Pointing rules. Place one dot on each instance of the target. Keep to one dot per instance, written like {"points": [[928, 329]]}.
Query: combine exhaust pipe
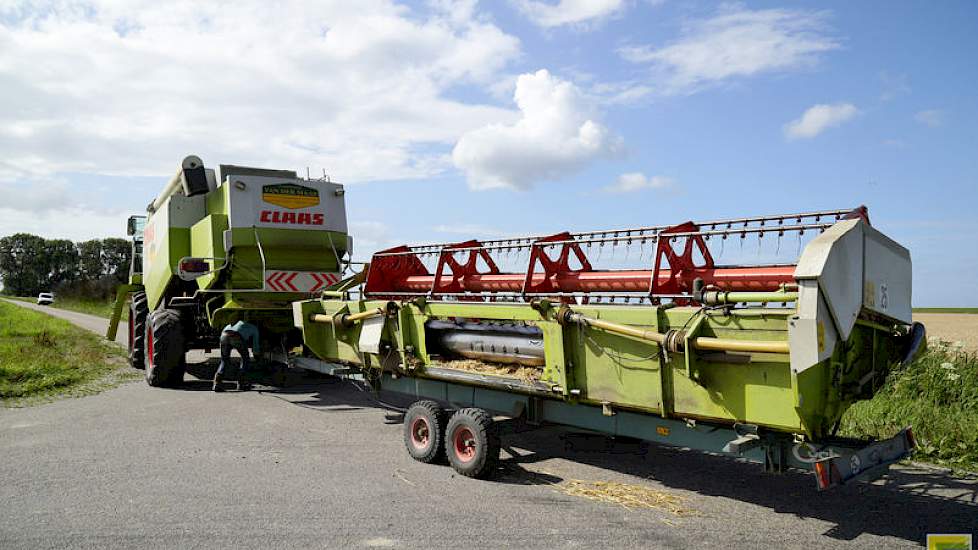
{"points": [[191, 178]]}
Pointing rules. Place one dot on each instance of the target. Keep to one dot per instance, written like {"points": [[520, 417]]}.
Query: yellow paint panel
{"points": [[949, 542], [290, 201]]}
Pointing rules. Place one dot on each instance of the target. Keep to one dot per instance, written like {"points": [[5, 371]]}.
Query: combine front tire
{"points": [[137, 330], [424, 431], [164, 354], [472, 443]]}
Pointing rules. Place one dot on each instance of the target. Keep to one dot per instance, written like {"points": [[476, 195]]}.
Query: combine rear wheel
{"points": [[472, 443], [424, 431], [137, 330], [164, 354]]}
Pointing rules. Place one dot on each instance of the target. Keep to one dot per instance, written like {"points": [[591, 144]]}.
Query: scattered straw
{"points": [[526, 374], [626, 495], [399, 474]]}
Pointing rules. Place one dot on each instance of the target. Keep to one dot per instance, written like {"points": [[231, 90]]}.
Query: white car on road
{"points": [[45, 299]]}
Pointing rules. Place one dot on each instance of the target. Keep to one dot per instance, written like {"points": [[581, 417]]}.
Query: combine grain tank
{"points": [[757, 360]]}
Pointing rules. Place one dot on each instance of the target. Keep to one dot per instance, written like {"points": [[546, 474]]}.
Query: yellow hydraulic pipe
{"points": [[320, 318], [626, 330], [726, 344], [357, 317], [347, 319], [673, 340]]}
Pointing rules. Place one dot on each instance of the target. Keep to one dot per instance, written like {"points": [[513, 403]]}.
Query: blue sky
{"points": [[453, 120]]}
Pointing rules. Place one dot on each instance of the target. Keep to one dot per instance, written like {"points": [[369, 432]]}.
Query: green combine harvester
{"points": [[756, 361], [215, 250]]}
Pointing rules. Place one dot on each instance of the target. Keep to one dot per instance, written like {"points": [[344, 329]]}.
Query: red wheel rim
{"points": [[420, 433], [149, 347], [463, 440]]}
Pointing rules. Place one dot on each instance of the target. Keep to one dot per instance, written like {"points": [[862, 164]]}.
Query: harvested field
{"points": [[958, 329]]}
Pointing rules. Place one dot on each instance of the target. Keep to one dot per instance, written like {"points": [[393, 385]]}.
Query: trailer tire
{"points": [[137, 330], [424, 431], [164, 354], [472, 443]]}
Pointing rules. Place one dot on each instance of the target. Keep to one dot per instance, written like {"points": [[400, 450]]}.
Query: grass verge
{"points": [[938, 395], [42, 357], [98, 308]]}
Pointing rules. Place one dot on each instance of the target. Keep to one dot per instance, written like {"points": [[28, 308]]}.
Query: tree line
{"points": [[30, 264]]}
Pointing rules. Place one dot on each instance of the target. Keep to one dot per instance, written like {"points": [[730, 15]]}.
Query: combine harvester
{"points": [[755, 361], [212, 251]]}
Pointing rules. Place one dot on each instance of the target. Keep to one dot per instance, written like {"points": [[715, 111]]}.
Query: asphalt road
{"points": [[313, 464]]}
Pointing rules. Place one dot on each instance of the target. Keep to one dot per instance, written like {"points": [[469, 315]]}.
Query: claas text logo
{"points": [[293, 197]]}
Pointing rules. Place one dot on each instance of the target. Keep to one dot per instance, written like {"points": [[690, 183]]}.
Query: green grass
{"points": [[42, 356], [945, 310], [92, 307], [938, 395]]}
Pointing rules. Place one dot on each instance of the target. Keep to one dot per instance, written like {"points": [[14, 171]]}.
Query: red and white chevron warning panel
{"points": [[299, 281]]}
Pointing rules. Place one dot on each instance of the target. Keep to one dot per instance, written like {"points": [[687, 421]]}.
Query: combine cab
{"points": [[242, 243]]}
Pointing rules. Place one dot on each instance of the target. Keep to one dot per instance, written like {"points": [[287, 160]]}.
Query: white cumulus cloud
{"points": [[359, 88], [737, 42], [819, 118], [568, 12], [74, 222], [554, 136], [637, 181]]}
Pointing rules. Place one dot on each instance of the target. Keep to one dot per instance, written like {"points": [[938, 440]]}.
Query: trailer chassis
{"points": [[834, 461]]}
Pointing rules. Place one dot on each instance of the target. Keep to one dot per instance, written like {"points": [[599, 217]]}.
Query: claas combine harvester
{"points": [[756, 361], [214, 250]]}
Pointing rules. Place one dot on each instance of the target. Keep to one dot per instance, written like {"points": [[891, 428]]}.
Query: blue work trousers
{"points": [[231, 340]]}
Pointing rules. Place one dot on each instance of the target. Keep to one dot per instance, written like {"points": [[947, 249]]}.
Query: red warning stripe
{"points": [[299, 281], [288, 282], [320, 282], [270, 280]]}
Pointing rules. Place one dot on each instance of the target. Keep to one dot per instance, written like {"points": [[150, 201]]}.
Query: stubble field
{"points": [[957, 329]]}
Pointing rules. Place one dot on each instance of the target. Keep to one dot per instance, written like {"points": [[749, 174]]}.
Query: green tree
{"points": [[116, 257], [23, 264], [61, 262], [30, 264], [90, 263]]}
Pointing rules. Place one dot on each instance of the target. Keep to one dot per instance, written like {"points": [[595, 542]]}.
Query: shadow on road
{"points": [[908, 504], [275, 377], [298, 387]]}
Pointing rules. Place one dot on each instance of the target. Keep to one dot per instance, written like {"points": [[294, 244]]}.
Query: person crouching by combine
{"points": [[238, 336]]}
